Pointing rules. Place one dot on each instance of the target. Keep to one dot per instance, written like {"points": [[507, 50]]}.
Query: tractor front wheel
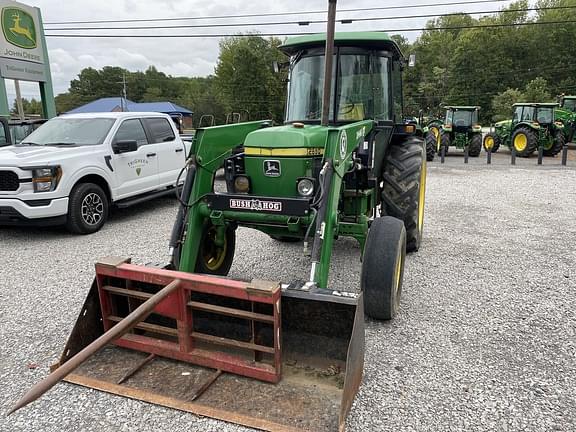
{"points": [[383, 267], [491, 142], [404, 188], [557, 144], [431, 143], [215, 257], [475, 146], [524, 141]]}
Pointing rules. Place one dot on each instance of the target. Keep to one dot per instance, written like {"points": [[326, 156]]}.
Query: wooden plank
{"points": [[232, 343], [237, 313]]}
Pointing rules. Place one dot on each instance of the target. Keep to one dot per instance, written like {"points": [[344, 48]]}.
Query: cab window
{"points": [[131, 130], [161, 129]]}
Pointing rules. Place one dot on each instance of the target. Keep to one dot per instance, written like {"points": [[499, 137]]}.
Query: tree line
{"points": [[457, 63]]}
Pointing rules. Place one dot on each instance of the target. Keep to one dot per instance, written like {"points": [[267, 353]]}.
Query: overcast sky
{"points": [[197, 57]]}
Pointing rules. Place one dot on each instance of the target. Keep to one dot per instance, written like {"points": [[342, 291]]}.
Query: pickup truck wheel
{"points": [[87, 209]]}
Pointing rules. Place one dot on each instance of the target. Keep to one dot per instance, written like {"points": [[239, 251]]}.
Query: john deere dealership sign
{"points": [[21, 42]]}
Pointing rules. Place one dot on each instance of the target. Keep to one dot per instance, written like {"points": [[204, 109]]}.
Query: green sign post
{"points": [[23, 53]]}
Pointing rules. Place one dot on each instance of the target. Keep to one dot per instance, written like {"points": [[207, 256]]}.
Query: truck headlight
{"points": [[45, 179], [305, 187]]}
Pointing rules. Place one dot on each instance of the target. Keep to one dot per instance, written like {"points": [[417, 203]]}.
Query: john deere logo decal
{"points": [[18, 27]]}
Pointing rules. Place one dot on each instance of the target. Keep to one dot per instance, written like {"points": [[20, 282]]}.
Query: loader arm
{"points": [[210, 147]]}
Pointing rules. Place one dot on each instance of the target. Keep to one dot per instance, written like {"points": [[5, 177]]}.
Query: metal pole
{"points": [[540, 154], [466, 154], [489, 157], [19, 100], [329, 53], [442, 154], [123, 327], [564, 154], [513, 158]]}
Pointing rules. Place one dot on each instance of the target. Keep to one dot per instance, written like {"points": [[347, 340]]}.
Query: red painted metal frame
{"points": [[176, 306]]}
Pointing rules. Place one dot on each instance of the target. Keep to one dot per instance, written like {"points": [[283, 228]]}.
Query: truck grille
{"points": [[9, 181]]}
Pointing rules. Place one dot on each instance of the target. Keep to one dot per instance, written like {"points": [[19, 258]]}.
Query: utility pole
{"points": [[123, 103], [19, 100]]}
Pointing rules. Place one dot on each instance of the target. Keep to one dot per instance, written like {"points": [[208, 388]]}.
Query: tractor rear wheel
{"points": [[213, 258], [557, 144], [475, 146], [383, 267], [491, 142], [404, 187], [524, 141], [431, 143], [444, 142]]}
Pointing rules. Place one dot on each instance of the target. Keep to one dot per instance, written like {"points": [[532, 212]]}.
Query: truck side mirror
{"points": [[125, 146]]}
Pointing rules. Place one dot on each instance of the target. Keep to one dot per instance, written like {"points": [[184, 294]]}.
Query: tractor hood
{"points": [[503, 123], [288, 137]]}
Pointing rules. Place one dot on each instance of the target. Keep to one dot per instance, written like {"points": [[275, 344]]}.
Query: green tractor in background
{"points": [[432, 134], [566, 114], [460, 129], [533, 126]]}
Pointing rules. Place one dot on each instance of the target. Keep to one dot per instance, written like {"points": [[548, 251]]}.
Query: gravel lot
{"points": [[485, 340]]}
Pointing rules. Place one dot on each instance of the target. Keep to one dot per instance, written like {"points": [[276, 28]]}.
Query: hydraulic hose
{"points": [[180, 223], [321, 216]]}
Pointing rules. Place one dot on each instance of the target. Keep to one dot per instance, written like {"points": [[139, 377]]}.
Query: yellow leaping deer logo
{"points": [[17, 29]]}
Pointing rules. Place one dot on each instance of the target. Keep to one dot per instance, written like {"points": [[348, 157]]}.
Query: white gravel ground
{"points": [[485, 339]]}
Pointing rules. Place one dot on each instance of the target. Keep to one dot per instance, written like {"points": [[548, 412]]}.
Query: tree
{"points": [[30, 107], [502, 103], [537, 90], [245, 78]]}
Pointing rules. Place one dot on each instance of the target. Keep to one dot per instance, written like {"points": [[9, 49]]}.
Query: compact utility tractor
{"points": [[275, 355], [460, 129], [533, 126]]}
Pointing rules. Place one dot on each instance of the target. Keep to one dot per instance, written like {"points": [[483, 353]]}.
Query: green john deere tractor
{"points": [[461, 130], [344, 164], [432, 134], [532, 126], [566, 114]]}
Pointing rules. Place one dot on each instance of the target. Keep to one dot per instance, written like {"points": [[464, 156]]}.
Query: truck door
{"points": [[171, 151], [135, 171]]}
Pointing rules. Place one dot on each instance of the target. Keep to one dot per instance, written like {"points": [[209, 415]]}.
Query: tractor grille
{"points": [[9, 181]]}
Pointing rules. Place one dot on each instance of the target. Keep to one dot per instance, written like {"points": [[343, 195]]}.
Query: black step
{"points": [[127, 202]]}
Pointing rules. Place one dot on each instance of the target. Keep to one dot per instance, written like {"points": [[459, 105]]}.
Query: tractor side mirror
{"points": [[125, 146], [278, 66], [412, 60]]}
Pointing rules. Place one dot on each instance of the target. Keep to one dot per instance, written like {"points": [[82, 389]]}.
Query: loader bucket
{"points": [[251, 353]]}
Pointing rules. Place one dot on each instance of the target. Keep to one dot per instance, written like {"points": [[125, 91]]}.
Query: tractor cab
{"points": [[538, 114], [461, 118], [366, 79], [568, 103]]}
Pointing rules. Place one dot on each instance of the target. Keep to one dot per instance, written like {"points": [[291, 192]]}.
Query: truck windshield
{"points": [[71, 131], [362, 88]]}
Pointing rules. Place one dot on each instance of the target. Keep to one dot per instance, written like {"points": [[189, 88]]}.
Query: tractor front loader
{"points": [[274, 355]]}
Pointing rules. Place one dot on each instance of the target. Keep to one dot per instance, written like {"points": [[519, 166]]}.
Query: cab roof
{"points": [[379, 40], [462, 107], [537, 104]]}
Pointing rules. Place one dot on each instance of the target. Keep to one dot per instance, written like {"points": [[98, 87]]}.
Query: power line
{"points": [[276, 14], [302, 23], [222, 35]]}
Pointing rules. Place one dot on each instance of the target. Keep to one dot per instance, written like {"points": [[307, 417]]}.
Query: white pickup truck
{"points": [[74, 167]]}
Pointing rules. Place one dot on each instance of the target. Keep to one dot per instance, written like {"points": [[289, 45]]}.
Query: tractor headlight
{"points": [[45, 179], [305, 187], [241, 184]]}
